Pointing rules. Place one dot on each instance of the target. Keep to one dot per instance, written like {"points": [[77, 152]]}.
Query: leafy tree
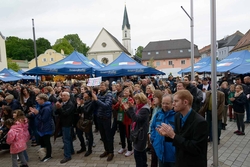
{"points": [[151, 63], [42, 45], [76, 43], [139, 51], [63, 44], [12, 65], [23, 49]]}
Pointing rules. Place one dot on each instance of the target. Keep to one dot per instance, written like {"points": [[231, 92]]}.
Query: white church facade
{"points": [[106, 48]]}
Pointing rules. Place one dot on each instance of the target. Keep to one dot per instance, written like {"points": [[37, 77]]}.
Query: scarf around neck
{"points": [[138, 107], [237, 94]]}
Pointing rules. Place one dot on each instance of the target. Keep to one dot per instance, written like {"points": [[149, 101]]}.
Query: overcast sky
{"points": [[150, 20]]}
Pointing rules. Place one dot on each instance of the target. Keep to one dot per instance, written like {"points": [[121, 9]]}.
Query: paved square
{"points": [[233, 151]]}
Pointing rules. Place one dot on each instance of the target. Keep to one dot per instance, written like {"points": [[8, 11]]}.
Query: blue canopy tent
{"points": [[20, 75], [96, 62], [20, 71], [126, 66], [6, 76], [74, 64], [230, 62], [200, 64], [244, 68]]}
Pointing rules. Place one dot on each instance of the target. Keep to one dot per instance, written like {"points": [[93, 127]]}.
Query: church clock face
{"points": [[105, 60], [104, 44]]}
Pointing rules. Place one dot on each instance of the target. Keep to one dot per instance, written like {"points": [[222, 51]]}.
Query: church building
{"points": [[106, 48]]}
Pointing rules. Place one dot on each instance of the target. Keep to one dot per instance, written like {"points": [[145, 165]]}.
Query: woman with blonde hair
{"points": [[139, 126], [150, 91]]}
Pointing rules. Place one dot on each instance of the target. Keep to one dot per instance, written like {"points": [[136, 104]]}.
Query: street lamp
{"points": [[192, 37]]}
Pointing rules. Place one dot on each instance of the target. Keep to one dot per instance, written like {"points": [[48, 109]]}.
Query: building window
{"points": [[181, 51], [44, 59], [170, 63], [149, 53], [147, 63], [183, 62], [157, 53], [158, 63], [125, 34], [189, 50], [169, 51], [51, 59]]}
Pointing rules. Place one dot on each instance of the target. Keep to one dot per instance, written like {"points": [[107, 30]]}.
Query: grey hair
{"points": [[66, 93], [169, 95]]}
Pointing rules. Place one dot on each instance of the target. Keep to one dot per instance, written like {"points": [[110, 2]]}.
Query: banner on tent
{"points": [[94, 81]]}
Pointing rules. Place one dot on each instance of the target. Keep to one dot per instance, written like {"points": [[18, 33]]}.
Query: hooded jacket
{"points": [[44, 120], [17, 137], [165, 151]]}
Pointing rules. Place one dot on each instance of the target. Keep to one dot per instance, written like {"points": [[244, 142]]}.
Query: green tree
{"points": [[77, 43], [151, 62], [23, 49], [12, 65], [63, 44], [42, 45], [139, 51]]}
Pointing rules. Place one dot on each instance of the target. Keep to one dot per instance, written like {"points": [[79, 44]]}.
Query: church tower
{"points": [[126, 37]]}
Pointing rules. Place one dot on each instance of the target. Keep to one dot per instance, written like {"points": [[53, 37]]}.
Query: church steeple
{"points": [[125, 19], [126, 38]]}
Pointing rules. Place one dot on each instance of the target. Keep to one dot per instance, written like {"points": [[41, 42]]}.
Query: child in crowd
{"points": [[17, 137]]}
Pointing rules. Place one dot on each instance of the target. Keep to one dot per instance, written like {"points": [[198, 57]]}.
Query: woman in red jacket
{"points": [[125, 122]]}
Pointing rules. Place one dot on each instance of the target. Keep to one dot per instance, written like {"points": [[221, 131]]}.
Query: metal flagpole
{"points": [[192, 36], [214, 84], [34, 38]]}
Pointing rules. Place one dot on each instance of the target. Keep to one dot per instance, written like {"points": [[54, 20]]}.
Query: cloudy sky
{"points": [[150, 20]]}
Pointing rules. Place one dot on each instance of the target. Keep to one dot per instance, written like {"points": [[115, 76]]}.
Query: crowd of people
{"points": [[171, 120]]}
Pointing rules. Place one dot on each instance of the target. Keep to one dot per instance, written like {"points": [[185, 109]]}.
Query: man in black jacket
{"points": [[65, 110], [190, 134]]}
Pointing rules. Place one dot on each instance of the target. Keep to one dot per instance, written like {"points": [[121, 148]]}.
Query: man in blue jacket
{"points": [[190, 134], [165, 151], [103, 103]]}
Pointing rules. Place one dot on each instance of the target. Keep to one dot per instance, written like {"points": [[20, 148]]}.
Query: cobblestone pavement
{"points": [[233, 151]]}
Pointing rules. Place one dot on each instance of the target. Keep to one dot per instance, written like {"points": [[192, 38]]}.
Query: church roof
{"points": [[2, 35], [125, 19], [118, 43]]}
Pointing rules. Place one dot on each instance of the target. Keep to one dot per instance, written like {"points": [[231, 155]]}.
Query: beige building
{"points": [[50, 56], [3, 57]]}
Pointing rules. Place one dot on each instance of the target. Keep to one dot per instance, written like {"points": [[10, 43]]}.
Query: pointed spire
{"points": [[125, 19]]}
